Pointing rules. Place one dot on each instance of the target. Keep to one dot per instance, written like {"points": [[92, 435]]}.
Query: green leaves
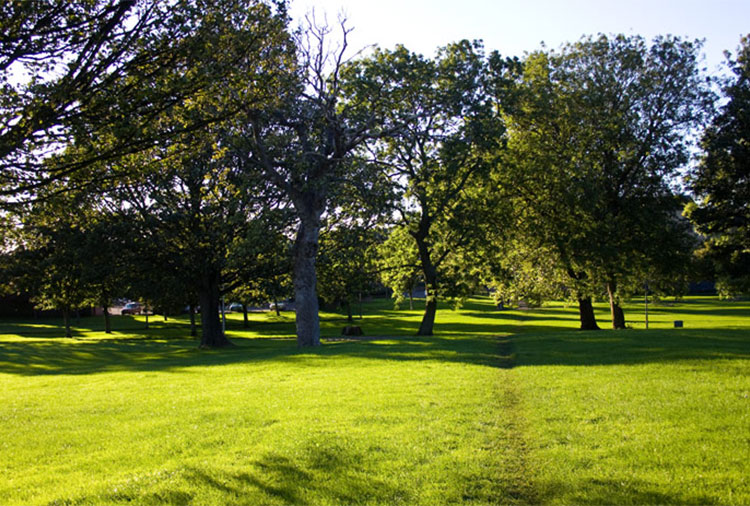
{"points": [[721, 181], [596, 134]]}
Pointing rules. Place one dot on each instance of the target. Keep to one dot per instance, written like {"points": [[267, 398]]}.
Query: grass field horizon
{"points": [[513, 406]]}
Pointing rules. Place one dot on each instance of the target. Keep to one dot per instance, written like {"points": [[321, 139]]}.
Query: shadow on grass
{"points": [[608, 491], [324, 470], [544, 336], [631, 346]]}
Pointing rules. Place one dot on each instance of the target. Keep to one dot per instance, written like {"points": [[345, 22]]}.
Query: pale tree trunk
{"points": [[211, 333], [305, 280], [586, 313], [618, 316]]}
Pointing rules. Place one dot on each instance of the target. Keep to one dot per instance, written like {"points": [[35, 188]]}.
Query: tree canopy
{"points": [[177, 151], [721, 182]]}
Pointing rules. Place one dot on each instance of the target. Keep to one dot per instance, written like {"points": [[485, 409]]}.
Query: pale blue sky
{"points": [[513, 27]]}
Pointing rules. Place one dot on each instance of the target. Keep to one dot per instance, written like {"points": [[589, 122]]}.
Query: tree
{"points": [[444, 130], [194, 198], [49, 256], [346, 263], [305, 149], [106, 266], [721, 182], [600, 129], [105, 71], [267, 267], [398, 264], [200, 216]]}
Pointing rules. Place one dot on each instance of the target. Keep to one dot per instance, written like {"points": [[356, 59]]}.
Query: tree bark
{"points": [[245, 323], [349, 316], [430, 281], [211, 334], [305, 281], [107, 321], [586, 312], [618, 316]]}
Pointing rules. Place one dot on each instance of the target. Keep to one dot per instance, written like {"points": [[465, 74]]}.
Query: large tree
{"points": [[444, 130], [600, 130], [195, 199], [721, 181], [305, 148]]}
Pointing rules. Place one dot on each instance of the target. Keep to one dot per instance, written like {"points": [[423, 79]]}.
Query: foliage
{"points": [[444, 131], [105, 72], [66, 253], [721, 181], [346, 263], [305, 148], [266, 261], [191, 196], [398, 264], [597, 133]]}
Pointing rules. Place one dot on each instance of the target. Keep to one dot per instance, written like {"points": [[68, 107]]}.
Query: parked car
{"points": [[234, 306], [131, 308]]}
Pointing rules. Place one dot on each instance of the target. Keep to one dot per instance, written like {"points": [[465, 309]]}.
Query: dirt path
{"points": [[517, 467]]}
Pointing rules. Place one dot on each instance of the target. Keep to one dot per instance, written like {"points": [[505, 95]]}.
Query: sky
{"points": [[513, 27]]}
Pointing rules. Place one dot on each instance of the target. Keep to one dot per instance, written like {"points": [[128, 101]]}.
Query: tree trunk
{"points": [[193, 330], [66, 321], [305, 281], [618, 316], [245, 323], [276, 306], [411, 298], [211, 334], [349, 316], [107, 322], [586, 312], [430, 283]]}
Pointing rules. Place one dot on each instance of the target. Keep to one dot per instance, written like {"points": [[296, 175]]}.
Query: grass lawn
{"points": [[497, 407]]}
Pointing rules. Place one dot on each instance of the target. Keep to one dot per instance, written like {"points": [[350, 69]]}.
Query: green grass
{"points": [[498, 407]]}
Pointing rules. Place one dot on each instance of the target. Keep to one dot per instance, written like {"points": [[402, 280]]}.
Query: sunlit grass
{"points": [[142, 416]]}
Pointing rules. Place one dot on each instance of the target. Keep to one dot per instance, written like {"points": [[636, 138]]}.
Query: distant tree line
{"points": [[177, 152]]}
